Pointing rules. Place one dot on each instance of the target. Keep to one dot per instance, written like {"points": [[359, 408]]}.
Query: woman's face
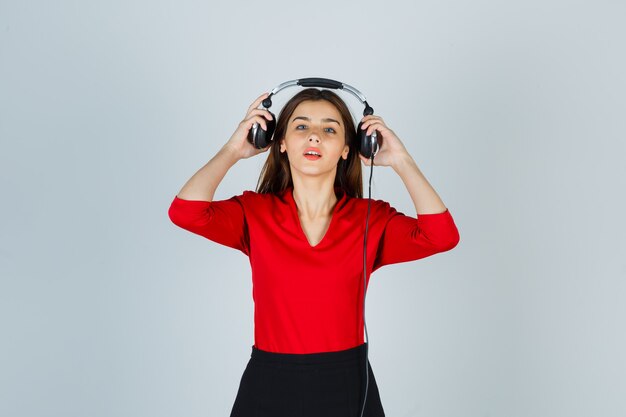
{"points": [[315, 124]]}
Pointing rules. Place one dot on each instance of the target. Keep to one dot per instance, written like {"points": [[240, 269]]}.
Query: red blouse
{"points": [[309, 299]]}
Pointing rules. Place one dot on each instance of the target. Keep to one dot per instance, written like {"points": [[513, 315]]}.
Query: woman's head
{"points": [[323, 121]]}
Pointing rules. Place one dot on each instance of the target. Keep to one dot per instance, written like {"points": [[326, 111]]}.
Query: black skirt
{"points": [[328, 384]]}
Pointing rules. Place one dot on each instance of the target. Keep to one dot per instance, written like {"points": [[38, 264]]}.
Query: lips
{"points": [[311, 149]]}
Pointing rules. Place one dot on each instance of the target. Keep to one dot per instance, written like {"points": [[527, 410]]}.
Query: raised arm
{"points": [[408, 238], [202, 185], [193, 207], [393, 153]]}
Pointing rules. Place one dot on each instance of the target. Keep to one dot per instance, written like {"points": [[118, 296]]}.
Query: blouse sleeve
{"points": [[221, 221], [407, 238]]}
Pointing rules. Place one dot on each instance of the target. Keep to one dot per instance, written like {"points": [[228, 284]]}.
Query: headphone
{"points": [[368, 144], [368, 147]]}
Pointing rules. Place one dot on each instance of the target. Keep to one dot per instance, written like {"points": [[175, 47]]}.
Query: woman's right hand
{"points": [[238, 142]]}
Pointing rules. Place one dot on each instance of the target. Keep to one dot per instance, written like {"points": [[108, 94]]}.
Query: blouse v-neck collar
{"points": [[341, 197]]}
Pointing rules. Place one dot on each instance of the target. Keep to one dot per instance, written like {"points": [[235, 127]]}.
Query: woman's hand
{"points": [[238, 142], [391, 149]]}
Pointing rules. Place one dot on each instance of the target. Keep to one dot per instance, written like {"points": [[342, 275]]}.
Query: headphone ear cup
{"points": [[367, 145], [260, 138]]}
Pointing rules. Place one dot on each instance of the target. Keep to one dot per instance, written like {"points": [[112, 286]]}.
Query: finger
{"points": [[370, 117], [367, 126], [257, 119], [370, 121], [264, 112], [375, 126], [258, 101]]}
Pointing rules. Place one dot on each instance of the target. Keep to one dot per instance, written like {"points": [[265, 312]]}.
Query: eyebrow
{"points": [[309, 119]]}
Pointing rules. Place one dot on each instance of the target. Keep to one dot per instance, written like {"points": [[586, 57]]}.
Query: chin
{"points": [[313, 171]]}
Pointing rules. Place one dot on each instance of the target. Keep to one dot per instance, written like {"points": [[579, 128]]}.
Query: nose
{"points": [[314, 136]]}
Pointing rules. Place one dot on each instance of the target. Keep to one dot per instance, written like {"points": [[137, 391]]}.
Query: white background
{"points": [[514, 111]]}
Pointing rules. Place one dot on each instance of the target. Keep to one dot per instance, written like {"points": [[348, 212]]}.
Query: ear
{"points": [[346, 151], [282, 146]]}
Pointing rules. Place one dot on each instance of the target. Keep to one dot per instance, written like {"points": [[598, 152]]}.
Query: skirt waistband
{"points": [[348, 355]]}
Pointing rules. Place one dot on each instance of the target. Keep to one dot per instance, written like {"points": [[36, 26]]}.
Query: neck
{"points": [[315, 200]]}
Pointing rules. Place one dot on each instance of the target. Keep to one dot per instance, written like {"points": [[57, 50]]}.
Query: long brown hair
{"points": [[275, 175]]}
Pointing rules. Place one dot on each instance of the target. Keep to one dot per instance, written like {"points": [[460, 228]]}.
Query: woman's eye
{"points": [[333, 130]]}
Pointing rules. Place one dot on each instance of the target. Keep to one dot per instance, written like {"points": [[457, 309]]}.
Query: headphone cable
{"points": [[369, 203]]}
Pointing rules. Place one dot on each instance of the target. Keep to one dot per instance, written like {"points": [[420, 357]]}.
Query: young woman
{"points": [[303, 233]]}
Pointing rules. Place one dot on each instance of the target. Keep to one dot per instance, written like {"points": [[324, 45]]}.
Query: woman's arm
{"points": [[406, 238], [425, 198], [393, 153], [193, 209], [202, 185], [221, 221]]}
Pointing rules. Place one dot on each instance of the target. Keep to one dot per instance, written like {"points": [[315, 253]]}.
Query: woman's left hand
{"points": [[391, 149]]}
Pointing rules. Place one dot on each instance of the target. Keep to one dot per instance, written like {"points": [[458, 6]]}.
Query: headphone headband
{"points": [[367, 144], [320, 82]]}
